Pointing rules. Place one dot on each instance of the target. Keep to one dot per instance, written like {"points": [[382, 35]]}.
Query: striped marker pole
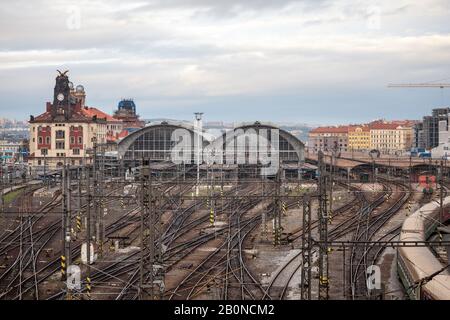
{"points": [[284, 207], [211, 216], [274, 232], [78, 224], [88, 287], [63, 268], [279, 230]]}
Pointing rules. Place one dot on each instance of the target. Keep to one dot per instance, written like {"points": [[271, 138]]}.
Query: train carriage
{"points": [[416, 263]]}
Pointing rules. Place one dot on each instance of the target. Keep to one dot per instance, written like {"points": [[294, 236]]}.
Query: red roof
{"points": [[47, 116], [77, 114], [364, 128], [391, 125], [377, 125], [340, 129], [384, 126], [91, 112]]}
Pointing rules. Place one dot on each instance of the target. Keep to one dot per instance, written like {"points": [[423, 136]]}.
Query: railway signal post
{"points": [[306, 251], [441, 192], [323, 229], [88, 235], [277, 214], [66, 224], [151, 281]]}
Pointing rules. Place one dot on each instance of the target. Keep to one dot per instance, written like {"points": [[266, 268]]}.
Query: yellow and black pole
{"points": [[63, 268], [284, 207], [79, 224], [274, 232], [88, 287], [211, 216]]}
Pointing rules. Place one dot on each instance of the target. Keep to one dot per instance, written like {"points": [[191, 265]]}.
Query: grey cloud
{"points": [[227, 8], [314, 51]]}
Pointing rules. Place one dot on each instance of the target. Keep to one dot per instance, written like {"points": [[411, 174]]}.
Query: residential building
{"points": [[10, 152], [359, 138], [388, 137], [391, 137], [328, 139]]}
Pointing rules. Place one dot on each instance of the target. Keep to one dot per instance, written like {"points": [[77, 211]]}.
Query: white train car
{"points": [[416, 263]]}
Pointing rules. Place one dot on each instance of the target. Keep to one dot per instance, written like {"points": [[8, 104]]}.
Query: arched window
{"points": [[40, 140], [47, 140], [80, 140]]}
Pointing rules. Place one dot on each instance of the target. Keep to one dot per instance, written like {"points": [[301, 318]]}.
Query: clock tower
{"points": [[61, 98]]}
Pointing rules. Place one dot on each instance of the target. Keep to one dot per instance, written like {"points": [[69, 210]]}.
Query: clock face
{"points": [[60, 97]]}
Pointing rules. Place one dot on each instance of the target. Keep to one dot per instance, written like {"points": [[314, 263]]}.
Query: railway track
{"points": [[43, 241], [367, 228], [292, 266], [224, 270], [212, 267]]}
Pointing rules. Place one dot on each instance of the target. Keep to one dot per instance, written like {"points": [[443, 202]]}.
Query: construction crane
{"points": [[431, 84], [419, 85]]}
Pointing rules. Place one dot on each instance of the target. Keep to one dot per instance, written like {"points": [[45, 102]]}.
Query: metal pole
{"points": [[333, 161], [410, 174], [441, 194], [344, 280], [323, 230], [306, 250], [96, 200], [198, 117], [88, 234], [65, 250], [80, 177], [2, 189], [101, 207]]}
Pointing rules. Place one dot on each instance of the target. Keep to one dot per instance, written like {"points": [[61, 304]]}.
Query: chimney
{"points": [[48, 107]]}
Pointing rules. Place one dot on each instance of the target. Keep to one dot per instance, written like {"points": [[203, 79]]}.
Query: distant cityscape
{"points": [[428, 137], [69, 128]]}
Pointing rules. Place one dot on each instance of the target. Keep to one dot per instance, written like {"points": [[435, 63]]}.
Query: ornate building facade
{"points": [[126, 113], [68, 129]]}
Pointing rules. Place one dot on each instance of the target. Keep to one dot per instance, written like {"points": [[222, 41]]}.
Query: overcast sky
{"points": [[314, 61]]}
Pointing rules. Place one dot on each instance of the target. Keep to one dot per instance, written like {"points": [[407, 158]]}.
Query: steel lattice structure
{"points": [[151, 284], [323, 230], [306, 251]]}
